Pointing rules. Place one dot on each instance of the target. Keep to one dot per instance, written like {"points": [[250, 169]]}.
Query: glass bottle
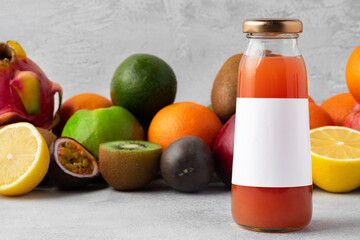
{"points": [[271, 181]]}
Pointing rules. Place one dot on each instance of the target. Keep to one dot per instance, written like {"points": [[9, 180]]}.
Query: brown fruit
{"points": [[47, 135], [224, 90], [129, 165]]}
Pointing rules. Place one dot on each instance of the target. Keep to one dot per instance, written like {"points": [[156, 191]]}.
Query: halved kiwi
{"points": [[71, 165], [129, 165]]}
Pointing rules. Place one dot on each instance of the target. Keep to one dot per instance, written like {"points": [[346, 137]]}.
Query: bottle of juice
{"points": [[271, 180]]}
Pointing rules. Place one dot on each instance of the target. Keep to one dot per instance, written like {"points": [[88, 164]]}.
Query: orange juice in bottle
{"points": [[271, 181]]}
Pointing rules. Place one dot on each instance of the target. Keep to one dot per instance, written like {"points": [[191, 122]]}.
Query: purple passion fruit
{"points": [[71, 165], [129, 165], [187, 164]]}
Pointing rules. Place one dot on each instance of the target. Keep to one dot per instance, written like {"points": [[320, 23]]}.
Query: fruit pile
{"points": [[141, 132], [335, 142], [92, 139]]}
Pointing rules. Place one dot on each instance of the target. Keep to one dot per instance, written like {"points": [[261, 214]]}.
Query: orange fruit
{"points": [[80, 101], [352, 73], [311, 100], [318, 116], [338, 107], [182, 119]]}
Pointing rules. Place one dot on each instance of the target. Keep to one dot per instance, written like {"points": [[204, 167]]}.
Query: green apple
{"points": [[91, 128]]}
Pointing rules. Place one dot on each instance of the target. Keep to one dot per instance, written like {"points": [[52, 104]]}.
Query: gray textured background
{"points": [[80, 43]]}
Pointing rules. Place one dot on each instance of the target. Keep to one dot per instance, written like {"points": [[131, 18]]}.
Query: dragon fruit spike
{"points": [[26, 84], [18, 49], [26, 94]]}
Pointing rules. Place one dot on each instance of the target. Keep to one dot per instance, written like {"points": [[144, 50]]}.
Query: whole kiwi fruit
{"points": [[224, 90], [47, 135]]}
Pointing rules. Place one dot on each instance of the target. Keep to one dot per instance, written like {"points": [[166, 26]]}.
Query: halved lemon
{"points": [[24, 158], [335, 156]]}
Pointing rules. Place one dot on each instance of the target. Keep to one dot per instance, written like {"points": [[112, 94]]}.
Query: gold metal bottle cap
{"points": [[272, 25]]}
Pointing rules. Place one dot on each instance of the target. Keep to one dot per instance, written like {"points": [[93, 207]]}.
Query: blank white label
{"points": [[272, 143]]}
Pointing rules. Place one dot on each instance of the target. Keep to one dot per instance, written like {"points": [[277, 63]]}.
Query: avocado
{"points": [[143, 84]]}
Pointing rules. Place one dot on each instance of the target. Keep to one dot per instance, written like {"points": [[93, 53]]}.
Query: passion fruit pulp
{"points": [[72, 165]]}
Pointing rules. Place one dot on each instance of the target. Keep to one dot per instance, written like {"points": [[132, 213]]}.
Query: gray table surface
{"points": [[158, 212]]}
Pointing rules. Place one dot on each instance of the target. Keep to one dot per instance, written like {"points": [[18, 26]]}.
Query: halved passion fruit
{"points": [[71, 165]]}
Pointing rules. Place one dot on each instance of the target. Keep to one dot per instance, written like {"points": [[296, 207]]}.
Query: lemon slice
{"points": [[24, 158], [335, 156]]}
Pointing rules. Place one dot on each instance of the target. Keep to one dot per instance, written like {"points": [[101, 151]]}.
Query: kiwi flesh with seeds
{"points": [[129, 165]]}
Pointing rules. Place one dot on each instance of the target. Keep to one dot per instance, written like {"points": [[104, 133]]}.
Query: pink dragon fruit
{"points": [[26, 94]]}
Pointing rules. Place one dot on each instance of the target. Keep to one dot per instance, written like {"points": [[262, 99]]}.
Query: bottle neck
{"points": [[272, 44]]}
